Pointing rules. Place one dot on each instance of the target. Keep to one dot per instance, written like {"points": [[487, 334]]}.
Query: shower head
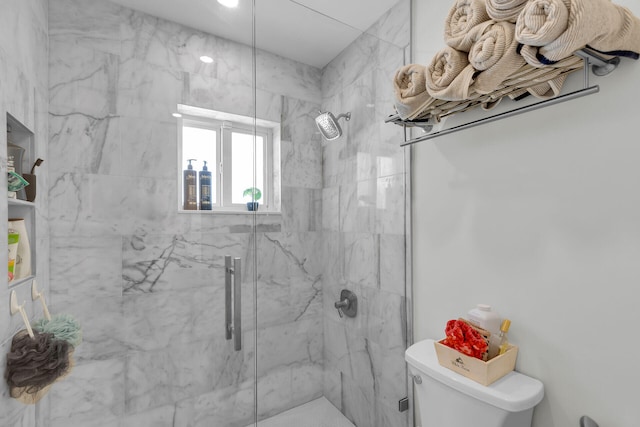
{"points": [[328, 125]]}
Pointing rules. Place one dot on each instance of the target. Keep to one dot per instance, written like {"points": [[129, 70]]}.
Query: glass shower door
{"points": [[144, 277], [341, 219]]}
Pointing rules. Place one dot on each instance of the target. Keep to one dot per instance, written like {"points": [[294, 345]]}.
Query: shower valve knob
{"points": [[344, 304], [348, 304]]}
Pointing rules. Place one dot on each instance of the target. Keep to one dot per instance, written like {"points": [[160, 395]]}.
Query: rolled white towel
{"points": [[599, 24], [449, 75], [410, 88], [505, 10], [463, 16], [542, 21], [495, 55]]}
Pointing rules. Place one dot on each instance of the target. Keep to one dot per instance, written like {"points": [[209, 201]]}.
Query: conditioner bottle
{"points": [[205, 188], [190, 194]]}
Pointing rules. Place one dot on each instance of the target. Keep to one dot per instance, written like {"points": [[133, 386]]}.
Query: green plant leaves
{"points": [[252, 192]]}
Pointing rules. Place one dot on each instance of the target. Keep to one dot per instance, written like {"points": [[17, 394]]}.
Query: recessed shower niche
{"points": [[21, 212]]}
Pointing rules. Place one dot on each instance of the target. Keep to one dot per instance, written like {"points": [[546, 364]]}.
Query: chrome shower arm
{"points": [[347, 116]]}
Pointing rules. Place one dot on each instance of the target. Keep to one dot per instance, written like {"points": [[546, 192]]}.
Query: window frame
{"points": [[225, 124], [227, 129]]}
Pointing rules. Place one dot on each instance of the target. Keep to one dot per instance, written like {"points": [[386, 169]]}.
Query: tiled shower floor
{"points": [[317, 413]]}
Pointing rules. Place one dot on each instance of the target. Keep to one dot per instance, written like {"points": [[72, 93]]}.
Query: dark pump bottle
{"points": [[190, 195], [205, 188]]}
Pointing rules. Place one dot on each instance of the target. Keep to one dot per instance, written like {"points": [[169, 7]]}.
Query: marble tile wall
{"points": [[23, 94], [363, 211], [147, 282]]}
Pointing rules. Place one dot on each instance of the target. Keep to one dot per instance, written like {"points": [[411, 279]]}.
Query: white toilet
{"points": [[448, 399]]}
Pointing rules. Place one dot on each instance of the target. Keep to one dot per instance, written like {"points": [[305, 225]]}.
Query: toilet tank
{"points": [[448, 399]]}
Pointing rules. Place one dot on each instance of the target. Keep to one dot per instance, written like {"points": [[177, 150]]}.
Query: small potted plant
{"points": [[255, 194]]}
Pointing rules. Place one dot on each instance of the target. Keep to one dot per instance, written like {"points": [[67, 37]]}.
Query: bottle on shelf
{"points": [[190, 190], [205, 188], [11, 169]]}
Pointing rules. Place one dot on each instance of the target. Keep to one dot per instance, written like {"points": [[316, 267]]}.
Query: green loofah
{"points": [[63, 327]]}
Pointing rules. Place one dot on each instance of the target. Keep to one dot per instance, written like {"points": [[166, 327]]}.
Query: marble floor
{"points": [[317, 413]]}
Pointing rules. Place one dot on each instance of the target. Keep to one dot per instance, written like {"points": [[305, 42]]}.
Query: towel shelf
{"points": [[600, 66], [562, 98]]}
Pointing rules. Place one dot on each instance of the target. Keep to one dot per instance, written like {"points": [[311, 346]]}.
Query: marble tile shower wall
{"points": [[363, 211], [147, 282], [23, 94]]}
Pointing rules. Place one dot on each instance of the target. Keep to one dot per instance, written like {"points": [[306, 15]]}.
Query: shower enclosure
{"points": [[147, 280]]}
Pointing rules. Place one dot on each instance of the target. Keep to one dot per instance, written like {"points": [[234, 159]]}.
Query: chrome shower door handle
{"points": [[237, 303], [233, 316], [228, 326]]}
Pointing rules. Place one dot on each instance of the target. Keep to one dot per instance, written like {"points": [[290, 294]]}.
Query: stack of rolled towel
{"points": [[492, 43], [551, 30]]}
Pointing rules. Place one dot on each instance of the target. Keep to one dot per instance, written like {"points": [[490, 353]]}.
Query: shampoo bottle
{"points": [[190, 195], [205, 188]]}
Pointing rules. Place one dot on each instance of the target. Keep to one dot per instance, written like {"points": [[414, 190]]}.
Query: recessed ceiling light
{"points": [[206, 59], [229, 3], [177, 115]]}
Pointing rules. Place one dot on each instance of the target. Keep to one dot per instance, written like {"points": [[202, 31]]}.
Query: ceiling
{"points": [[308, 31]]}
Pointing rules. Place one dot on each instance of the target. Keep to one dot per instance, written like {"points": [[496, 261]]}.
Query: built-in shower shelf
{"points": [[20, 212], [430, 122]]}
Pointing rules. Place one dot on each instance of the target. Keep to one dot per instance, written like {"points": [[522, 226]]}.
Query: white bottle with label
{"points": [[485, 317]]}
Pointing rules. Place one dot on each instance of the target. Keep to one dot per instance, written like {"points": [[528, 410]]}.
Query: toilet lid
{"points": [[514, 392]]}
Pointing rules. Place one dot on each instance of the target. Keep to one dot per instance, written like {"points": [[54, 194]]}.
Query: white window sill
{"points": [[230, 212]]}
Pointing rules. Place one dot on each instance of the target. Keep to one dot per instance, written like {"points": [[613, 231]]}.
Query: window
{"points": [[232, 146]]}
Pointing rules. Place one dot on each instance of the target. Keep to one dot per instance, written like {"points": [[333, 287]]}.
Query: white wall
{"points": [[539, 216]]}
